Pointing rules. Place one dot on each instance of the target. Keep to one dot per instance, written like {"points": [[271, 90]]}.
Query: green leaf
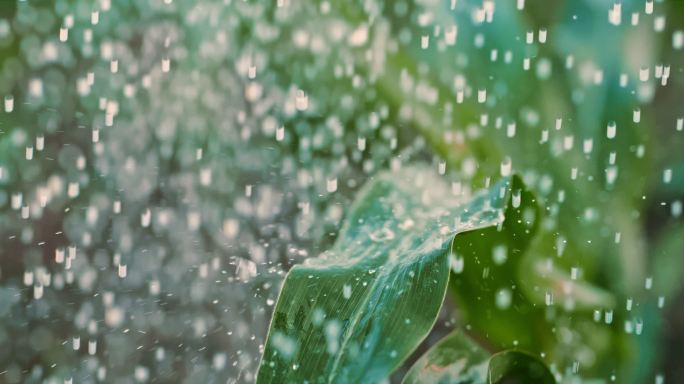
{"points": [[454, 359], [458, 359], [514, 293], [487, 289], [357, 311], [518, 367]]}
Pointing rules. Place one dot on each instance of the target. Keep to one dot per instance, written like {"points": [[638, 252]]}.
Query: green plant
{"points": [[355, 313]]}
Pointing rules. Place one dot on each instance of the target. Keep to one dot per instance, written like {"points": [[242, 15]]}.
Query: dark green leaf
{"points": [[513, 367]]}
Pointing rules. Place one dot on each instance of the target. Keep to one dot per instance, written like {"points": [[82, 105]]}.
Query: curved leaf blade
{"points": [[357, 311]]}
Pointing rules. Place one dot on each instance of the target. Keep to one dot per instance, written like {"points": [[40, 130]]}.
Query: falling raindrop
{"points": [[503, 298], [123, 270], [611, 130], [331, 185], [9, 103], [457, 263], [608, 316], [346, 291]]}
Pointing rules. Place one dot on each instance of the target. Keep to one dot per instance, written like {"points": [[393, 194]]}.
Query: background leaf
{"points": [[458, 359]]}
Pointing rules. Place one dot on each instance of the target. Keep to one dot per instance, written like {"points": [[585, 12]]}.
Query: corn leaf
{"points": [[356, 312]]}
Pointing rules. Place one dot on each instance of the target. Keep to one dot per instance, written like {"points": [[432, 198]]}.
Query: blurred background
{"points": [[163, 163]]}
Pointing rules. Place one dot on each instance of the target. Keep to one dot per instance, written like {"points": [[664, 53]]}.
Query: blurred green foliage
{"points": [[188, 143]]}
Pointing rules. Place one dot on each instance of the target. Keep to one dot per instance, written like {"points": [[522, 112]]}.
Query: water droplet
{"points": [[500, 254], [301, 101], [38, 291], [424, 41], [122, 270], [9, 103], [63, 34], [346, 291], [331, 185], [503, 298], [574, 272], [154, 287], [615, 14], [73, 190], [359, 36], [639, 326], [450, 35], [456, 262], [506, 166], [542, 36], [516, 198], [548, 299], [166, 65], [146, 218], [481, 95], [608, 316], [361, 143], [510, 130], [676, 208], [678, 40], [611, 130]]}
